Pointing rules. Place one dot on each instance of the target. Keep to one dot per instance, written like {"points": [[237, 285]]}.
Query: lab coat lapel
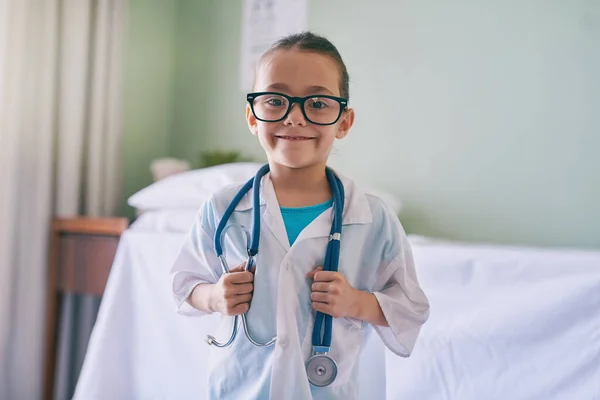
{"points": [[272, 214], [356, 211], [319, 227]]}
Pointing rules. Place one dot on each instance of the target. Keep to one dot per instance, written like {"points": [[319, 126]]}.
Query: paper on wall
{"points": [[264, 22]]}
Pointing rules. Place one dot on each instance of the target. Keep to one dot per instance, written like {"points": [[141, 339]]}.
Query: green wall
{"points": [[210, 107], [483, 119], [149, 76]]}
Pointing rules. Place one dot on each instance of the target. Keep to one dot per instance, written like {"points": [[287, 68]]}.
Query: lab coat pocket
{"points": [[347, 337], [345, 347], [357, 324]]}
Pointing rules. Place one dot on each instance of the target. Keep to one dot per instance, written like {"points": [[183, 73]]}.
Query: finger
{"points": [[239, 268], [312, 273], [241, 277], [324, 308], [326, 276], [241, 299], [242, 288], [319, 297], [235, 289], [239, 309], [320, 287]]}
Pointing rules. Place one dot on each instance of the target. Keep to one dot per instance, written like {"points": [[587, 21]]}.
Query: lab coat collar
{"points": [[356, 210], [356, 204]]}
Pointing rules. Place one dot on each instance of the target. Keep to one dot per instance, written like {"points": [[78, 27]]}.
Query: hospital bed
{"points": [[508, 323]]}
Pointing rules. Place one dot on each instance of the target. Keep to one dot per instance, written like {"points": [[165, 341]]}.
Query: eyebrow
{"points": [[310, 90], [316, 89]]}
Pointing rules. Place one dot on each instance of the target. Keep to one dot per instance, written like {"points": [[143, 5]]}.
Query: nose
{"points": [[295, 116]]}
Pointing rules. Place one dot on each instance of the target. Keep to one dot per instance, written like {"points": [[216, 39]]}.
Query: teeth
{"points": [[294, 137]]}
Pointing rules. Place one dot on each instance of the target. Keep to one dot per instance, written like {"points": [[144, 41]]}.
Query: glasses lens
{"points": [[322, 110], [270, 107]]}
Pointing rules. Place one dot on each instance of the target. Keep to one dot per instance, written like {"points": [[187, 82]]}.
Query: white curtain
{"points": [[60, 128]]}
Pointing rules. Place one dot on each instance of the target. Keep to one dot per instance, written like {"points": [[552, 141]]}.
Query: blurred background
{"points": [[480, 118]]}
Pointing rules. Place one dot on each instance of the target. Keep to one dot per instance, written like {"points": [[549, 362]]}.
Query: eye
{"points": [[275, 102], [318, 103]]}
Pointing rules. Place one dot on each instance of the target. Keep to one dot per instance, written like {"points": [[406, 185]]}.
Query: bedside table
{"points": [[81, 255]]}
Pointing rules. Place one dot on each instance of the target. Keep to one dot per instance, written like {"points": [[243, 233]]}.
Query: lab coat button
{"points": [[282, 342]]}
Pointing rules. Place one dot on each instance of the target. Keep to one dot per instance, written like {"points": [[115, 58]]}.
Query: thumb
{"points": [[239, 268], [311, 274]]}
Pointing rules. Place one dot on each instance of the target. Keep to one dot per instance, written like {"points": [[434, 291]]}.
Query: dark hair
{"points": [[308, 41]]}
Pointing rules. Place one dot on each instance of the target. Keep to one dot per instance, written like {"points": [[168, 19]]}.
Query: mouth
{"points": [[296, 138]]}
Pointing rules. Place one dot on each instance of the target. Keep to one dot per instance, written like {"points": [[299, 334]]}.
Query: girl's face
{"points": [[295, 142]]}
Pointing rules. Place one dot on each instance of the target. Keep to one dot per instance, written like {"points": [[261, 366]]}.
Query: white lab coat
{"points": [[375, 257]]}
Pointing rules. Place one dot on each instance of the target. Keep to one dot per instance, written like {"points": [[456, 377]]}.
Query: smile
{"points": [[284, 137]]}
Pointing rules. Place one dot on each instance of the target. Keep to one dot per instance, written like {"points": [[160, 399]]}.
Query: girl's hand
{"points": [[332, 294], [232, 294]]}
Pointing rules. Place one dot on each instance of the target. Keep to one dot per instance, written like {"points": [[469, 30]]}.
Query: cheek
{"points": [[265, 132], [267, 128], [327, 136]]}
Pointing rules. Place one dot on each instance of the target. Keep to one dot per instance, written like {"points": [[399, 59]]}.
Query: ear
{"points": [[251, 119], [346, 122]]}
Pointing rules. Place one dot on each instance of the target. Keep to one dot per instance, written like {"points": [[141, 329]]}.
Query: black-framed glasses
{"points": [[318, 109]]}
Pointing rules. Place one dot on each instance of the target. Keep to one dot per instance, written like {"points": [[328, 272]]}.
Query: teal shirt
{"points": [[298, 218]]}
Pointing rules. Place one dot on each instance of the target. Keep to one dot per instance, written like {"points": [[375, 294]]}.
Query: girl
{"points": [[297, 110]]}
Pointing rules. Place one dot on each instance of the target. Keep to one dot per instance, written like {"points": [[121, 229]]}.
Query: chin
{"points": [[293, 164], [296, 162]]}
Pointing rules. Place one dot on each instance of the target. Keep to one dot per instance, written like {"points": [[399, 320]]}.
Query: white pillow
{"points": [[167, 220], [191, 189]]}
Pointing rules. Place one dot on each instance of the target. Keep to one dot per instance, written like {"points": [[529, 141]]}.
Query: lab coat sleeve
{"points": [[197, 262], [403, 302]]}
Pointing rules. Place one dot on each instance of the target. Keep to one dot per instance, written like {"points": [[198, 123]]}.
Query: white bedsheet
{"points": [[505, 323]]}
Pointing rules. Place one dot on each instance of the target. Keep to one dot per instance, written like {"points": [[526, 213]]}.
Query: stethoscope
{"points": [[321, 369]]}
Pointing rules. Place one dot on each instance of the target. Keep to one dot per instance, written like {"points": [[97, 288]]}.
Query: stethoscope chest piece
{"points": [[321, 370]]}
